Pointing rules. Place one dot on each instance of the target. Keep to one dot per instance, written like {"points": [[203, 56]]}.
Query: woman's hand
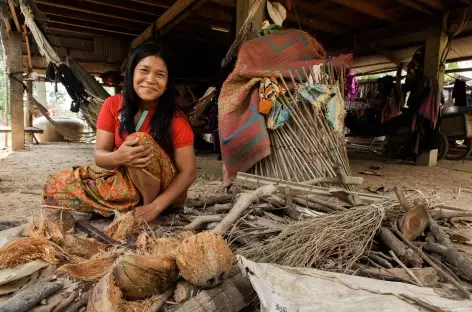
{"points": [[132, 155], [146, 213]]}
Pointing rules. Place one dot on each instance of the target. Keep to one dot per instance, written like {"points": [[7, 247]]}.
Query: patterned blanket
{"points": [[243, 132]]}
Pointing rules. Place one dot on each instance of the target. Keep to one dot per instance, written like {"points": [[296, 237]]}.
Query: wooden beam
{"points": [[177, 8], [13, 13], [389, 55], [435, 4], [87, 17], [316, 24], [97, 11], [367, 9], [416, 6], [28, 48], [126, 5], [57, 21]]}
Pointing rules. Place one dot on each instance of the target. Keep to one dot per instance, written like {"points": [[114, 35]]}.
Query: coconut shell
{"points": [[204, 259], [140, 277], [105, 296]]}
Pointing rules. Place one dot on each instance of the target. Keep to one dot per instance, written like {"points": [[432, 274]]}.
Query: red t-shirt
{"points": [[181, 131]]}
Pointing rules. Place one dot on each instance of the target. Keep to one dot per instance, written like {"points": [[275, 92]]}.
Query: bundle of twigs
{"points": [[306, 146], [337, 239]]}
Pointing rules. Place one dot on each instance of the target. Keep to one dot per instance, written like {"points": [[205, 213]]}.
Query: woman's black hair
{"points": [[162, 119]]}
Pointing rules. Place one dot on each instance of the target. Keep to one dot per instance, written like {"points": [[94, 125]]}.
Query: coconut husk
{"points": [[27, 249], [82, 247], [105, 296], [140, 277], [204, 259], [44, 228], [160, 247], [90, 270], [123, 227]]}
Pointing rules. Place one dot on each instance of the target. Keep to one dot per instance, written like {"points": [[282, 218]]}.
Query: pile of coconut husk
{"points": [[184, 260]]}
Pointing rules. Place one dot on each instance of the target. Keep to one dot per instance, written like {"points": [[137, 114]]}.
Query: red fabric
{"points": [[181, 131]]}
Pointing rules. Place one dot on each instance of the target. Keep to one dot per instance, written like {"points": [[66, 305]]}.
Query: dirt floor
{"points": [[23, 172]]}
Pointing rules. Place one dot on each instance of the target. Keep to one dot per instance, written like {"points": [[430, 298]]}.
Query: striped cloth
{"points": [[243, 132]]}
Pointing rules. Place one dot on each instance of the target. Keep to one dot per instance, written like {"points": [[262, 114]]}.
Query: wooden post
{"points": [[15, 60], [28, 113], [434, 49], [242, 10], [41, 90]]}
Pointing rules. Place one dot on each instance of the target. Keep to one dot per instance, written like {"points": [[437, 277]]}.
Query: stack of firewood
{"points": [[406, 237]]}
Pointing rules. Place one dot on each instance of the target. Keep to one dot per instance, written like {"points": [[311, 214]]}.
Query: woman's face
{"points": [[150, 78]]}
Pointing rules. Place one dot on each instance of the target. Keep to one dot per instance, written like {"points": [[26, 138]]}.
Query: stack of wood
{"points": [[404, 238]]}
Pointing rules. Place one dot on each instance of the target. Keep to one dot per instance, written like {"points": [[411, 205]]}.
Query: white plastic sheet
{"points": [[300, 290], [12, 234]]}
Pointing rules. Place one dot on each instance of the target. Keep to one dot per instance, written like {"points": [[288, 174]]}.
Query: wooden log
{"points": [[414, 221], [254, 181], [184, 291], [459, 260], [383, 262], [28, 298], [66, 302], [85, 226], [400, 249], [231, 296], [76, 306], [401, 198], [243, 202], [199, 221], [447, 276], [223, 199], [340, 178], [427, 276], [440, 236], [407, 270]]}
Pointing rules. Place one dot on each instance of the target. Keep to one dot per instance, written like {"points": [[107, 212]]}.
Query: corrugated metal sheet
{"points": [[111, 48], [72, 43], [68, 34]]}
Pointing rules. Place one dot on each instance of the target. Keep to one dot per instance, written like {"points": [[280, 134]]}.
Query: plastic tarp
{"points": [[299, 290]]}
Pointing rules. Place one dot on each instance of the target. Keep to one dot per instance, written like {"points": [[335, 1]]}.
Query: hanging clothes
{"points": [[459, 93], [269, 90]]}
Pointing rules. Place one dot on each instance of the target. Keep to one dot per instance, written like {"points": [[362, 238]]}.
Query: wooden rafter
{"points": [[315, 24], [416, 6], [367, 8], [100, 29], [15, 17], [95, 12], [435, 4], [87, 17], [389, 55], [166, 19], [126, 5], [28, 48]]}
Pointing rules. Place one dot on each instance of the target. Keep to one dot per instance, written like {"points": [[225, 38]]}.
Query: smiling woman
{"points": [[143, 140]]}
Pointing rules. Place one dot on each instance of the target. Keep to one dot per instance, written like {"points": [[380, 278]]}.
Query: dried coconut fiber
{"points": [[25, 250], [47, 229], [160, 247], [204, 259], [335, 240], [123, 227], [90, 270], [82, 247]]}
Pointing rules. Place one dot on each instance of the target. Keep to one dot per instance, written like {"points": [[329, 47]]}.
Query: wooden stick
{"points": [[243, 202], [440, 236], [380, 260], [85, 226], [76, 306], [28, 298], [220, 207], [201, 220], [431, 263], [223, 199], [401, 198], [160, 300], [66, 302], [408, 271]]}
